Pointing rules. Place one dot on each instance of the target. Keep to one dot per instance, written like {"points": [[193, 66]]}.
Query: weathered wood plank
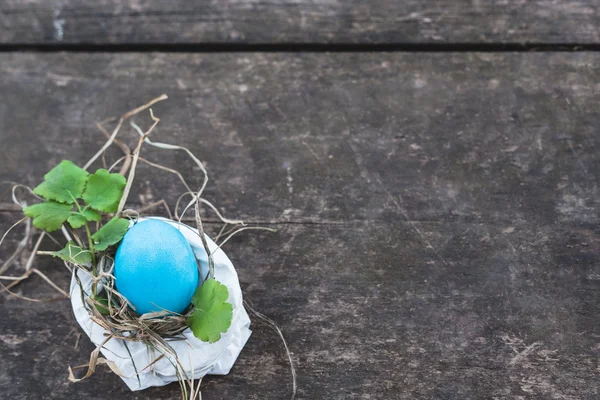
{"points": [[438, 215], [368, 313], [469, 137], [291, 21]]}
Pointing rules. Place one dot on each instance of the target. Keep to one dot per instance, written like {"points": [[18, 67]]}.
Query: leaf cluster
{"points": [[75, 197]]}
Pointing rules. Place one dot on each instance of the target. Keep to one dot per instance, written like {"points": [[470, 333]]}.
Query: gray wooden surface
{"points": [[437, 214], [292, 21]]}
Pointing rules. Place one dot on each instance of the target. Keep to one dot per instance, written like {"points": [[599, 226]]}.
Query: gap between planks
{"points": [[297, 47]]}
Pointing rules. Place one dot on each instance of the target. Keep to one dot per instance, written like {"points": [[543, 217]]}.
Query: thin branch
{"points": [[136, 155], [153, 205], [44, 277], [118, 127], [16, 201], [167, 146], [221, 217], [14, 278], [208, 203], [173, 171], [35, 249], [116, 163], [273, 325], [245, 229], [220, 232], [211, 262], [124, 148], [20, 246], [5, 288]]}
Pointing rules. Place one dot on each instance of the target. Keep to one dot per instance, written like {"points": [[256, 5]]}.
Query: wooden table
{"points": [[433, 179]]}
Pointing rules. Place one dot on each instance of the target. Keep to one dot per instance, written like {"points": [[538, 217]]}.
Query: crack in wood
{"points": [[468, 47]]}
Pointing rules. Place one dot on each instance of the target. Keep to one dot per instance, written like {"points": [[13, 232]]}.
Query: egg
{"points": [[155, 268]]}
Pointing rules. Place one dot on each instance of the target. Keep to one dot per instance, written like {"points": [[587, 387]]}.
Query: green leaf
{"points": [[74, 254], [103, 306], [63, 183], [104, 190], [212, 314], [76, 221], [92, 215], [111, 233], [48, 216]]}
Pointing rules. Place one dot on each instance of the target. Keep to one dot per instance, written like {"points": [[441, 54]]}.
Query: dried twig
{"points": [[150, 206], [116, 130], [20, 246], [124, 148], [260, 228], [273, 325], [136, 155]]}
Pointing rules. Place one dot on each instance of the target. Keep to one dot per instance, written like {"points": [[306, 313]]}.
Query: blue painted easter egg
{"points": [[155, 268]]}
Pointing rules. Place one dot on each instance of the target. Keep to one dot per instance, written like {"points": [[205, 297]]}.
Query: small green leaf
{"points": [[48, 216], [92, 215], [212, 314], [103, 306], [63, 183], [76, 221], [74, 254], [111, 233], [104, 190]]}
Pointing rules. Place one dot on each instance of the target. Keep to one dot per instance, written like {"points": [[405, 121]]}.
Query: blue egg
{"points": [[155, 268]]}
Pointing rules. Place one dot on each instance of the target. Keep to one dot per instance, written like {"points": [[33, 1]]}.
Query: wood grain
{"points": [[291, 21], [437, 214]]}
